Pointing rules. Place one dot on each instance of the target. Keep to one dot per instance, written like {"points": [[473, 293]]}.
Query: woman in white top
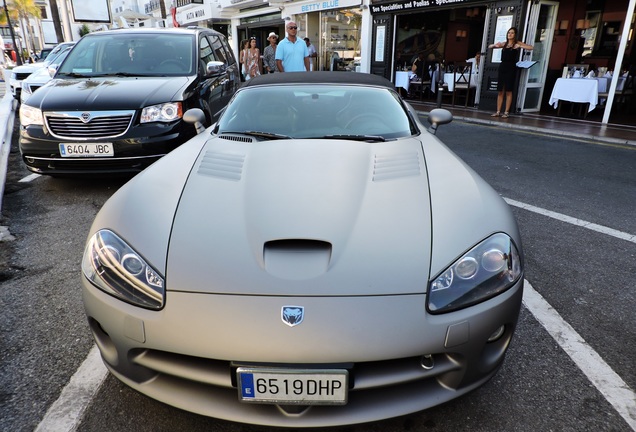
{"points": [[252, 60]]}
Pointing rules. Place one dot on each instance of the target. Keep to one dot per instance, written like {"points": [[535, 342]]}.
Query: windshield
{"points": [[317, 111], [57, 58], [126, 54]]}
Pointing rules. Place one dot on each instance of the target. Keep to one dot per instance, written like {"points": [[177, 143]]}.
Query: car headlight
{"points": [[30, 116], [115, 268], [488, 269], [25, 87], [166, 112]]}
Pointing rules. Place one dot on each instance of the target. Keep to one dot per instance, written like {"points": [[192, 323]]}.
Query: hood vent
{"points": [[240, 138], [296, 259], [222, 165], [392, 167]]}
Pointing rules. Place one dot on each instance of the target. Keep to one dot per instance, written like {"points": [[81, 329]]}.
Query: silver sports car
{"points": [[316, 258]]}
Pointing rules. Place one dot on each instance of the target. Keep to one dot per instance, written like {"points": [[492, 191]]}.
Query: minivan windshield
{"points": [[126, 54]]}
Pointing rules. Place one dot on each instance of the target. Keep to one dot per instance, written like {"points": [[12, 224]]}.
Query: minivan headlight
{"points": [[165, 112], [30, 116], [488, 269], [115, 268]]}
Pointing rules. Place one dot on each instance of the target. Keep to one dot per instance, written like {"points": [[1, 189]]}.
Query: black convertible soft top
{"points": [[320, 78]]}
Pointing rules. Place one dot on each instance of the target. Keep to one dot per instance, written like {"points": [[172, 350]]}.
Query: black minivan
{"points": [[116, 103]]}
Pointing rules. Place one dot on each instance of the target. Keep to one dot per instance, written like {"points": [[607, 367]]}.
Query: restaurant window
{"points": [[448, 36]]}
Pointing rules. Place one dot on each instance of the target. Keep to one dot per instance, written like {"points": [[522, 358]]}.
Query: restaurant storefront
{"points": [[562, 33], [384, 37]]}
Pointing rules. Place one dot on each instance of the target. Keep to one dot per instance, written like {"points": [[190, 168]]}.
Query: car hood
{"points": [[39, 76], [28, 68], [303, 218], [112, 93]]}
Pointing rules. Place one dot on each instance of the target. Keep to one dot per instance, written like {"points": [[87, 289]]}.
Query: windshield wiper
{"points": [[258, 134], [71, 74], [117, 74], [357, 137]]}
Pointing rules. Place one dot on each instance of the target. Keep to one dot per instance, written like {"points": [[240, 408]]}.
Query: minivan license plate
{"points": [[285, 386], [86, 150]]}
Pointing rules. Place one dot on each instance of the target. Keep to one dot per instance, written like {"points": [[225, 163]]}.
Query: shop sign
{"points": [[317, 6], [194, 14], [407, 5]]}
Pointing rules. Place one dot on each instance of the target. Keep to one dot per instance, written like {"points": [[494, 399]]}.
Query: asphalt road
{"points": [[584, 274]]}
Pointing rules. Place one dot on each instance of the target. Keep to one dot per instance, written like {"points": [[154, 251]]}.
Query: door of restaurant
{"points": [[540, 32]]}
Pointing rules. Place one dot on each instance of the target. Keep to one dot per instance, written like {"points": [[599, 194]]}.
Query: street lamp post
{"points": [[15, 46]]}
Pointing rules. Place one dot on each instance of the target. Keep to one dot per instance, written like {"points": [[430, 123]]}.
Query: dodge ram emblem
{"points": [[85, 117], [292, 315]]}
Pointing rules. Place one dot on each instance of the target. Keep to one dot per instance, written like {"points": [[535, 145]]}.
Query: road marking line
{"points": [[66, 412], [29, 178], [611, 386], [574, 221]]}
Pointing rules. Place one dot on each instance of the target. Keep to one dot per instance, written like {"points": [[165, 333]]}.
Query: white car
{"points": [[317, 258], [20, 73], [43, 75]]}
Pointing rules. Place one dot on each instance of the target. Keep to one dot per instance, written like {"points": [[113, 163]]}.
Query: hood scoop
{"points": [[222, 165], [396, 166], [296, 259]]}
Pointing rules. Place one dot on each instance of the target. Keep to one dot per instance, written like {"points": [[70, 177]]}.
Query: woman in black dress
{"points": [[508, 69]]}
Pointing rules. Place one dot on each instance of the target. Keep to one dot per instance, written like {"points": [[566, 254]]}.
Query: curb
{"points": [[7, 117], [545, 131], [552, 132]]}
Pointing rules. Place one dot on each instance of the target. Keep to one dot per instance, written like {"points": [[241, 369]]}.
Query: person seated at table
{"points": [[418, 65], [475, 61], [425, 68]]}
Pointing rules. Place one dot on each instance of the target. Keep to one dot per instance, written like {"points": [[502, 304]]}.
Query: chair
{"points": [[462, 74], [581, 68], [419, 85], [622, 95]]}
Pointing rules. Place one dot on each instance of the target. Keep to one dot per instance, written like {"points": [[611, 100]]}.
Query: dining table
{"points": [[449, 79], [577, 90], [605, 82], [403, 79]]}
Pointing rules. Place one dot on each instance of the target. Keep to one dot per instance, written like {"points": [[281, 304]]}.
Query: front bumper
{"points": [[137, 149], [186, 354]]}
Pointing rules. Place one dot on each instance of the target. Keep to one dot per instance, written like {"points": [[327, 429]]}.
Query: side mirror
{"points": [[52, 69], [215, 67], [196, 117], [438, 117]]}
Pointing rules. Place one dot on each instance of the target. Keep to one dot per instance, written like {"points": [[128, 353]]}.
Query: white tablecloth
{"points": [[604, 84], [403, 79], [579, 90], [449, 79]]}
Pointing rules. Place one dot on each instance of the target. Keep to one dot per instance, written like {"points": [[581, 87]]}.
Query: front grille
{"points": [[88, 125], [22, 76]]}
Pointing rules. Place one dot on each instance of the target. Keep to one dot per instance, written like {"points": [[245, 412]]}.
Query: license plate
{"points": [[86, 150], [302, 387]]}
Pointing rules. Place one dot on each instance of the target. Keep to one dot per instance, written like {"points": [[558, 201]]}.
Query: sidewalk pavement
{"points": [[543, 124], [7, 116]]}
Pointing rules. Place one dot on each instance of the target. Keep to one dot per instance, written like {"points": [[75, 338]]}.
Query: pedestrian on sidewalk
{"points": [[292, 54], [269, 54], [508, 69]]}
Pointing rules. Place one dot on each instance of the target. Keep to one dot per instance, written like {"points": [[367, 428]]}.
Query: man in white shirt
{"points": [[312, 54]]}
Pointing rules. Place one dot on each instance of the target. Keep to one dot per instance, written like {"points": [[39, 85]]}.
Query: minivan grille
{"points": [[88, 125]]}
